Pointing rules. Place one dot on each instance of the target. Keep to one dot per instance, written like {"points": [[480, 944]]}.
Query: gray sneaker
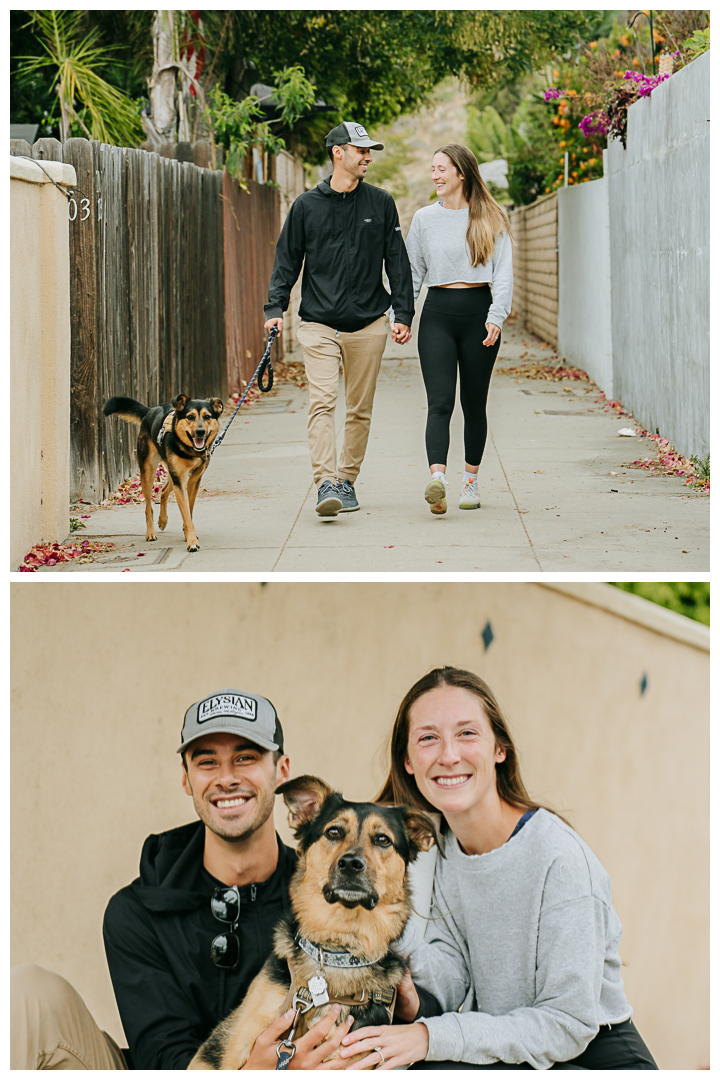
{"points": [[329, 502], [346, 490]]}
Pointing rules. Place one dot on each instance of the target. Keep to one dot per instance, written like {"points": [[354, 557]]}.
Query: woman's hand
{"points": [[408, 1003], [399, 1045], [310, 1050], [493, 333], [400, 333]]}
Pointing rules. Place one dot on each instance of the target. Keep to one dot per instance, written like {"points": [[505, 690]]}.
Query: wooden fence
{"points": [[149, 290], [535, 295]]}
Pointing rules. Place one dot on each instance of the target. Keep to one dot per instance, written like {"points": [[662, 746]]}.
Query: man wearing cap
{"points": [[345, 230], [187, 937]]}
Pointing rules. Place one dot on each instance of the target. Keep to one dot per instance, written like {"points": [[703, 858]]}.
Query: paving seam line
{"points": [[292, 527], [517, 508]]}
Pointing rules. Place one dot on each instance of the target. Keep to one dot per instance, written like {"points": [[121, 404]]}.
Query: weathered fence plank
{"points": [[535, 296], [252, 225]]}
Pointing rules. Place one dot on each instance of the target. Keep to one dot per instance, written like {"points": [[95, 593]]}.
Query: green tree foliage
{"points": [[691, 598], [88, 104], [370, 65]]}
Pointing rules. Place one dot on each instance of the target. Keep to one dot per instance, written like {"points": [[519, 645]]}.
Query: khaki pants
{"points": [[51, 1027], [360, 353]]}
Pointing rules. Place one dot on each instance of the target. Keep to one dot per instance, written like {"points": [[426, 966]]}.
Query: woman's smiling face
{"points": [[451, 749]]}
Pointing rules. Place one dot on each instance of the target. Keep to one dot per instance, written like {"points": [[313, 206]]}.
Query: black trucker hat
{"points": [[355, 134], [235, 711]]}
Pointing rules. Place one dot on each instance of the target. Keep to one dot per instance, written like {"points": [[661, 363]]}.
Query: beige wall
{"points": [[102, 674], [39, 355], [291, 178]]}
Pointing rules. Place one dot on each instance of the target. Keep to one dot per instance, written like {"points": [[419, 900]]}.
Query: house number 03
{"points": [[84, 209]]}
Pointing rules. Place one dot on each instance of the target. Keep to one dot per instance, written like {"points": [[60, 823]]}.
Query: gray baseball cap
{"points": [[235, 711], [355, 134]]}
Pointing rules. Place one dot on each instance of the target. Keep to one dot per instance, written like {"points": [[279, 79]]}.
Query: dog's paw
{"points": [[162, 524], [193, 547], [150, 536]]}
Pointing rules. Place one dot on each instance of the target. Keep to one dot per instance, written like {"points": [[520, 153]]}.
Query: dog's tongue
{"points": [[199, 444]]}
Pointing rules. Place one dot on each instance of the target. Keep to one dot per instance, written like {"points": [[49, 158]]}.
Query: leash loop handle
{"points": [[258, 374]]}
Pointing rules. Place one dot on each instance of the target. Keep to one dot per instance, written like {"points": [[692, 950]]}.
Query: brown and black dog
{"points": [[350, 899], [183, 444]]}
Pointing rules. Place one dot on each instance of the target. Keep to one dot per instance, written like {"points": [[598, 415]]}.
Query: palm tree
{"points": [[107, 113]]}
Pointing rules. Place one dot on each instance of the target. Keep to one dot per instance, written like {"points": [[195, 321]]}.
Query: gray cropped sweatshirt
{"points": [[525, 942], [437, 248]]}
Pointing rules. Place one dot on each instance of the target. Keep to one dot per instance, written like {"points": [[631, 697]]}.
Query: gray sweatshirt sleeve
{"points": [[502, 281], [438, 961], [415, 253], [563, 1020]]}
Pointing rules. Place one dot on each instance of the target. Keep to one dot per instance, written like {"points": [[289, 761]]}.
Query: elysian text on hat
{"points": [[355, 134], [237, 712]]}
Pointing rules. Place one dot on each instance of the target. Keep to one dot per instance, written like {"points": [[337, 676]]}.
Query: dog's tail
{"points": [[127, 409]]}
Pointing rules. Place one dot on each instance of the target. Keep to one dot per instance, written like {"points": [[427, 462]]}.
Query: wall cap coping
{"points": [[638, 610], [61, 171]]}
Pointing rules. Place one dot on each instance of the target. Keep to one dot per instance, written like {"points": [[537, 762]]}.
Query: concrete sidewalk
{"points": [[556, 496]]}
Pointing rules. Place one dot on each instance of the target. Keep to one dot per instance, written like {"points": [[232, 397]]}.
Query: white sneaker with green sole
{"points": [[436, 495], [469, 496]]}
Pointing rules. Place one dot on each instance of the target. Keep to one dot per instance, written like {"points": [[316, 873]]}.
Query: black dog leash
{"points": [[266, 362]]}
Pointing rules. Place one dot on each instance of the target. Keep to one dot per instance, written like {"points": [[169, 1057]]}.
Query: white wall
{"points": [[584, 312], [660, 259]]}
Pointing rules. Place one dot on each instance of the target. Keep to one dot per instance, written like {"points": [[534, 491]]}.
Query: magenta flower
{"points": [[552, 93], [595, 123]]}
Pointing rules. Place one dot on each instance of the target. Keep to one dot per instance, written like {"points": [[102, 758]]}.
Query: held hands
{"points": [[311, 1050], [400, 333], [268, 326], [493, 333]]}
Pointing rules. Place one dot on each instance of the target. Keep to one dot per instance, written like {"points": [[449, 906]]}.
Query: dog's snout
{"points": [[352, 862]]}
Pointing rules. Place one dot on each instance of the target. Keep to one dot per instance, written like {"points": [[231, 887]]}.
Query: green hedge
{"points": [[691, 598]]}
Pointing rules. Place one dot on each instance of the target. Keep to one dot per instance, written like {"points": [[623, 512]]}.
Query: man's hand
{"points": [[400, 333], [493, 333], [408, 1002], [268, 326], [400, 1045], [311, 1050]]}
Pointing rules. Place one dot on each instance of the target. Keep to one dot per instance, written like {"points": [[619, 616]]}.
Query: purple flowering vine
{"points": [[646, 83], [595, 123]]}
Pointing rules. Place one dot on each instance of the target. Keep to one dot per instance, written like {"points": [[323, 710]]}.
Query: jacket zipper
{"points": [[253, 893]]}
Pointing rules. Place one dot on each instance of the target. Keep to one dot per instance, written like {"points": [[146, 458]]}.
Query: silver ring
{"points": [[378, 1050]]}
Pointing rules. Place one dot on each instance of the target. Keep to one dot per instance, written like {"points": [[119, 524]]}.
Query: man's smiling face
{"points": [[232, 783]]}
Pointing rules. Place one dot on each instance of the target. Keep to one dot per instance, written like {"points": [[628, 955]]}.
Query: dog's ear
{"points": [[216, 406], [422, 833], [179, 402], [304, 798]]}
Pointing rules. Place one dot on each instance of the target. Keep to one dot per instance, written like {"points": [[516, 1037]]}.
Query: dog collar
{"points": [[333, 959]]}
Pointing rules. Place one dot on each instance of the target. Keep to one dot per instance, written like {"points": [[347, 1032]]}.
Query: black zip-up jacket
{"points": [[158, 933], [344, 237]]}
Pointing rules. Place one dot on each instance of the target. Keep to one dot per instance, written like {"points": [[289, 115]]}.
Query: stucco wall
{"points": [[291, 178], [39, 355], [660, 259], [102, 674], [584, 312]]}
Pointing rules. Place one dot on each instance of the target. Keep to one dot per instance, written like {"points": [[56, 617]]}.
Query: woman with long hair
{"points": [[462, 245], [521, 951]]}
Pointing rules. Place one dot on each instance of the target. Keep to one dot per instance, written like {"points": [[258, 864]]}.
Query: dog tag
{"points": [[318, 988]]}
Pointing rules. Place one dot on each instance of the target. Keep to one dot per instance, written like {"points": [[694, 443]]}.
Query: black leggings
{"points": [[618, 1047], [452, 331]]}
